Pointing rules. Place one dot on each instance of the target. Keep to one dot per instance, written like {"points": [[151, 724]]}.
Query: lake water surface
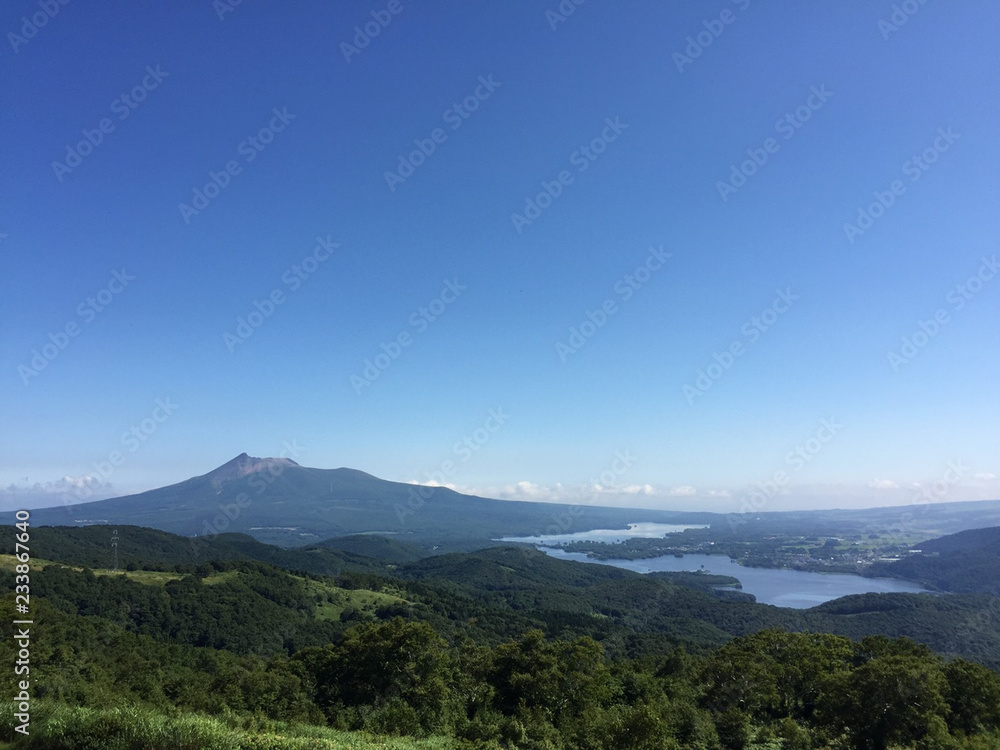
{"points": [[611, 536], [797, 589]]}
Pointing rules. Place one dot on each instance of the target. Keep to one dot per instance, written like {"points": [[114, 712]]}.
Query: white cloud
{"points": [[636, 489], [525, 490], [594, 493], [685, 490], [65, 491], [529, 491], [877, 492], [883, 484]]}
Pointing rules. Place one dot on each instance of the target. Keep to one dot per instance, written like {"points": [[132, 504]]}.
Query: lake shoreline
{"points": [[783, 587]]}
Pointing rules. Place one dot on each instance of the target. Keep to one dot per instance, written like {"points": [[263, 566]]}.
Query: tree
{"points": [[733, 727], [892, 700], [973, 696], [385, 665]]}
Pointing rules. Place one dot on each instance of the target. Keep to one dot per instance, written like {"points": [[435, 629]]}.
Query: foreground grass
{"points": [[60, 727]]}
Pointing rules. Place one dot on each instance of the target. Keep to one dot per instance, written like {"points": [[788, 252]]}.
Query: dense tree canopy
{"points": [[501, 649]]}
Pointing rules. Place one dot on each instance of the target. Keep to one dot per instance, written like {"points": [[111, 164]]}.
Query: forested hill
{"points": [[502, 648], [371, 545], [965, 542], [967, 562], [504, 589], [142, 548]]}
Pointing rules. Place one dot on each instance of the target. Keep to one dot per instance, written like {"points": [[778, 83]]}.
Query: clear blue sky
{"points": [[869, 98]]}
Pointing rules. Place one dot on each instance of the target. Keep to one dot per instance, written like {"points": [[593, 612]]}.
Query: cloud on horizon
{"points": [[65, 491], [883, 484], [686, 497]]}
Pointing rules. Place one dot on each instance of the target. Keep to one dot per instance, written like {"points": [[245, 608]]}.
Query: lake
{"points": [[611, 536], [781, 587]]}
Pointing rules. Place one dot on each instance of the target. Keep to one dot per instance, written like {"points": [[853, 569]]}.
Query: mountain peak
{"points": [[244, 464]]}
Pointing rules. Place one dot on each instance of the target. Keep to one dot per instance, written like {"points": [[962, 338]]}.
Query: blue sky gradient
{"points": [[865, 93]]}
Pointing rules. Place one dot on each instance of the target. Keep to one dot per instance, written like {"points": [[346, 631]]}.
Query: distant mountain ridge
{"points": [[278, 501]]}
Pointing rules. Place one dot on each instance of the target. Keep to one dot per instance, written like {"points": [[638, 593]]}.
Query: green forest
{"points": [[502, 648]]}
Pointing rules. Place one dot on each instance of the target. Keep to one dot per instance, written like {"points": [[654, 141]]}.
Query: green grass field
{"points": [[334, 601], [59, 727], [9, 563], [150, 577]]}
